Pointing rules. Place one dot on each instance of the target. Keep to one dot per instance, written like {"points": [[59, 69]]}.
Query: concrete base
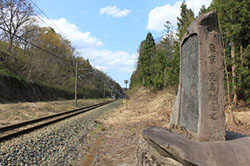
{"points": [[233, 152]]}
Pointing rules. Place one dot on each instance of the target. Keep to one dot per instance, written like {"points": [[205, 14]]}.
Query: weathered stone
{"points": [[147, 155], [234, 152], [199, 105]]}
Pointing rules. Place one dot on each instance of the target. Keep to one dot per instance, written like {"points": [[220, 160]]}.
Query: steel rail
{"points": [[61, 116]]}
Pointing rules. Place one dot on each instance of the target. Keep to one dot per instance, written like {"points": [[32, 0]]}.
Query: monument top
{"points": [[199, 105]]}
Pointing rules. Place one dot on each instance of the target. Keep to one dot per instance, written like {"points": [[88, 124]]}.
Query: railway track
{"points": [[18, 129]]}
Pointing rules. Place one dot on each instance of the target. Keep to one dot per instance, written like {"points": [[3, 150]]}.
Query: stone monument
{"points": [[197, 135], [199, 105]]}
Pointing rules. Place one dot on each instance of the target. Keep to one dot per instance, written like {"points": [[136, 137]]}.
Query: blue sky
{"points": [[108, 32]]}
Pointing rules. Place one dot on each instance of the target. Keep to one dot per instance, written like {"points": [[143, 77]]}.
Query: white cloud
{"points": [[71, 31], [195, 5], [159, 15], [106, 59], [89, 47], [114, 11]]}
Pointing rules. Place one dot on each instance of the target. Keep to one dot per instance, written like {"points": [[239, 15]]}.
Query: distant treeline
{"points": [[158, 63], [39, 54]]}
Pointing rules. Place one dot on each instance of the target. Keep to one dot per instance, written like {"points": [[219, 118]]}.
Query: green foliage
{"points": [[5, 72], [203, 10], [185, 19], [135, 79], [158, 64], [244, 76], [172, 78], [158, 69], [234, 26], [146, 58]]}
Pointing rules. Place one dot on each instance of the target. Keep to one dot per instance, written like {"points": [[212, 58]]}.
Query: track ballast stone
{"points": [[58, 144]]}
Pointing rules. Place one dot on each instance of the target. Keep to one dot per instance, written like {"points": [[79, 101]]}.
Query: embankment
{"points": [[13, 89]]}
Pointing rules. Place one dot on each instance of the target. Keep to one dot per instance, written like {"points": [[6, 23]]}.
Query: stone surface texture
{"points": [[199, 105], [189, 106], [234, 152], [147, 155]]}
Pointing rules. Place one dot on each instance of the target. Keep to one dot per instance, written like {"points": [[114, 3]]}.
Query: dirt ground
{"points": [[123, 126], [117, 144]]}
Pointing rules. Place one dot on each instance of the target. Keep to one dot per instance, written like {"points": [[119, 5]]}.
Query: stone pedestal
{"points": [[162, 148]]}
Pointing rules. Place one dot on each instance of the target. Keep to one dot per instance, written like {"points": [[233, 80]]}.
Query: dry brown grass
{"points": [[124, 126], [242, 115], [17, 112], [143, 106]]}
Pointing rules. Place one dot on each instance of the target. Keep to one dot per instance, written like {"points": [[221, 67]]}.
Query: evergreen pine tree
{"points": [[185, 19], [146, 59], [233, 16]]}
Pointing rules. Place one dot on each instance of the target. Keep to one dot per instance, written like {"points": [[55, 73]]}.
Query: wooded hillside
{"points": [[158, 63], [38, 54]]}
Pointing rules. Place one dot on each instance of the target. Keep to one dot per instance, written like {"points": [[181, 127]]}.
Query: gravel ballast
{"points": [[59, 144]]}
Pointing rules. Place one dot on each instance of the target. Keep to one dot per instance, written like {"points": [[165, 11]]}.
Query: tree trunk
{"points": [[231, 108], [234, 73], [241, 56], [227, 78]]}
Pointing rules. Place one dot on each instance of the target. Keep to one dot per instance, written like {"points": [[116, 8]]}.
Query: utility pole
{"points": [[79, 76], [112, 88], [76, 77], [126, 82], [104, 91]]}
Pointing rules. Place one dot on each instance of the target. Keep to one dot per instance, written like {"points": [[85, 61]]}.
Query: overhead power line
{"points": [[62, 39], [40, 18], [40, 48], [45, 16]]}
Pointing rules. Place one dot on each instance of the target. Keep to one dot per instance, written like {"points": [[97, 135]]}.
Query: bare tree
{"points": [[14, 14]]}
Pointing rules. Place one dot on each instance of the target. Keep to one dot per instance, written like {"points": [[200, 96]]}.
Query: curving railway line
{"points": [[18, 129]]}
